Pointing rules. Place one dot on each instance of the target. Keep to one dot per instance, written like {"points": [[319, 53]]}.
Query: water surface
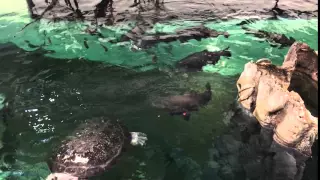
{"points": [[52, 93]]}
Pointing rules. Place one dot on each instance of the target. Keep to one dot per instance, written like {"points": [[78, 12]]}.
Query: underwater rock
{"points": [[288, 128], [210, 173], [226, 173], [144, 41], [253, 169], [255, 158], [284, 166], [188, 166], [273, 38], [232, 146], [3, 114], [213, 164], [197, 60], [265, 138]]}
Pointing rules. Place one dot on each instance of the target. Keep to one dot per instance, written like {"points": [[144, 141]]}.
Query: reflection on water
{"points": [[50, 97]]}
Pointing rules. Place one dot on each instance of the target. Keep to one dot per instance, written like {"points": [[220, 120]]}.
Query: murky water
{"points": [[50, 96]]}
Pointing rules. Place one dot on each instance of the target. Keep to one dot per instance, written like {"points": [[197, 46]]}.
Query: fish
{"points": [[31, 45], [85, 43], [104, 47]]}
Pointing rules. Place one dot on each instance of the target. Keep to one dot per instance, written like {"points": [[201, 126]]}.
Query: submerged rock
{"points": [[144, 41], [284, 166], [188, 166], [226, 172]]}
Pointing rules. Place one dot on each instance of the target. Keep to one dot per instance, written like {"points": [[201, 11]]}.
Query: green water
{"points": [[53, 93], [66, 40]]}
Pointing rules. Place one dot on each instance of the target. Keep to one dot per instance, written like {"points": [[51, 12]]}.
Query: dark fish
{"points": [[100, 35], [49, 40], [85, 43], [247, 21], [104, 47], [31, 45], [45, 35], [154, 59]]}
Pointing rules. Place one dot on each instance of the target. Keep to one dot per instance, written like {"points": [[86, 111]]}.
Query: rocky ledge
{"points": [[268, 92], [274, 126]]}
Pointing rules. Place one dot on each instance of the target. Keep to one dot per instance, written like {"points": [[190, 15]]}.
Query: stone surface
{"points": [[273, 121], [263, 89], [302, 58], [284, 166]]}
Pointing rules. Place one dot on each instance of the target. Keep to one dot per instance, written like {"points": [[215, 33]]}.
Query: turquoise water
{"points": [[66, 40], [52, 93]]}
